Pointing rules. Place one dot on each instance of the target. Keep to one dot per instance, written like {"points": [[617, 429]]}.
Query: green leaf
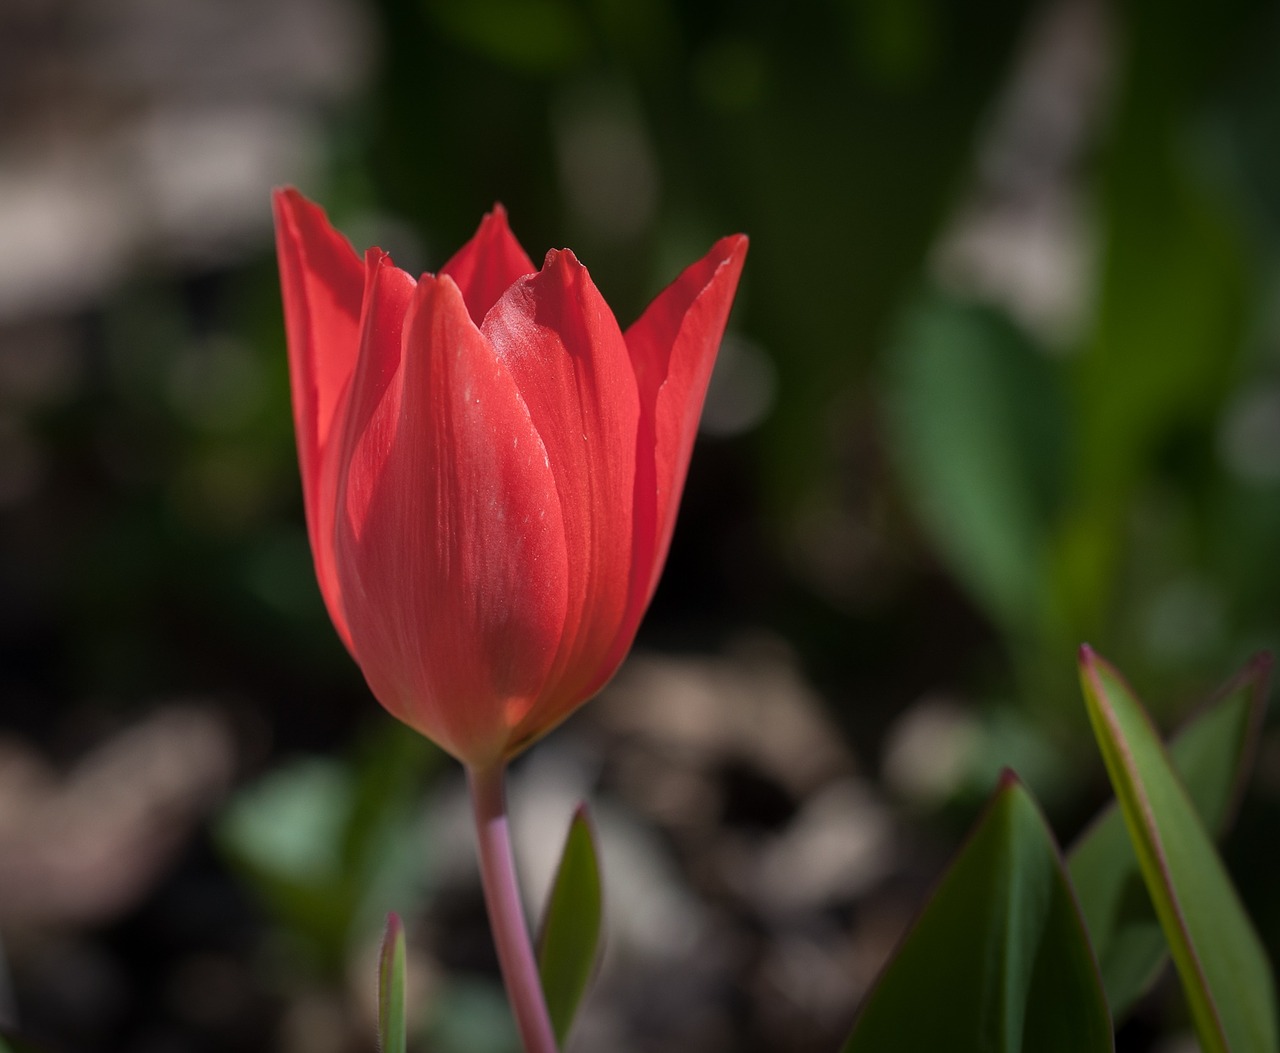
{"points": [[1211, 754], [331, 844], [998, 960], [978, 421], [391, 968], [1221, 963], [284, 834], [568, 944]]}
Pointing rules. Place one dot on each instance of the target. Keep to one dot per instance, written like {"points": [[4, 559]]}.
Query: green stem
{"points": [[506, 914]]}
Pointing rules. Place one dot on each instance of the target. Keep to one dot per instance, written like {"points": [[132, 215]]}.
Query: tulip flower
{"points": [[491, 467]]}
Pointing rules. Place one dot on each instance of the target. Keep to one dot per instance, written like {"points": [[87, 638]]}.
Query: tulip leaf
{"points": [[330, 844], [1222, 965], [391, 970], [998, 960], [1211, 754], [978, 420], [568, 944]]}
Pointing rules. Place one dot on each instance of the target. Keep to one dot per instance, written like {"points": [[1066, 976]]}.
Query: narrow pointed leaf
{"points": [[1212, 755], [391, 970], [1221, 963], [998, 960], [568, 944]]}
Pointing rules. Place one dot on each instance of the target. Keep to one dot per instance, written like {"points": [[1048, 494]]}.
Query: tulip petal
{"points": [[321, 279], [673, 348], [568, 358], [487, 265], [449, 534]]}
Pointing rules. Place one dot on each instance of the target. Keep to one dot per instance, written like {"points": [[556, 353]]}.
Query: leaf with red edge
{"points": [[1212, 755], [998, 960], [1220, 960], [392, 1034]]}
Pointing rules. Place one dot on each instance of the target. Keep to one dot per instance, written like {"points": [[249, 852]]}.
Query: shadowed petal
{"points": [[450, 537], [673, 347], [568, 358], [487, 265], [321, 279]]}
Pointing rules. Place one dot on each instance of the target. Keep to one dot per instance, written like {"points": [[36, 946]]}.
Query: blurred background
{"points": [[1003, 376]]}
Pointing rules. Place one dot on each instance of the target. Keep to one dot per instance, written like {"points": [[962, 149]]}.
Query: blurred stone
{"points": [[81, 848], [752, 705], [1249, 437], [318, 1021], [146, 129], [606, 161], [1021, 236], [743, 388], [838, 846], [210, 989], [805, 981], [929, 751]]}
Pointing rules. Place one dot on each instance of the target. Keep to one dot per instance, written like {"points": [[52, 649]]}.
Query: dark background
{"points": [[1003, 376]]}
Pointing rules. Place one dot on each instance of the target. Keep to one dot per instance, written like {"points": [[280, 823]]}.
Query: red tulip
{"points": [[490, 466]]}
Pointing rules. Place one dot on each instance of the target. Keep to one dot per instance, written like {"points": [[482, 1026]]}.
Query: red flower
{"points": [[490, 466]]}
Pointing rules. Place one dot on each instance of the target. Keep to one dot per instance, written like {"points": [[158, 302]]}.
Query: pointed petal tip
{"points": [[436, 294], [431, 285], [489, 263], [494, 221], [284, 205], [304, 224], [563, 270], [289, 201], [1008, 780], [730, 248], [562, 259], [733, 254]]}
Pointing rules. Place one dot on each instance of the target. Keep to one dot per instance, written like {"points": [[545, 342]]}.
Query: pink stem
{"points": [[506, 914]]}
